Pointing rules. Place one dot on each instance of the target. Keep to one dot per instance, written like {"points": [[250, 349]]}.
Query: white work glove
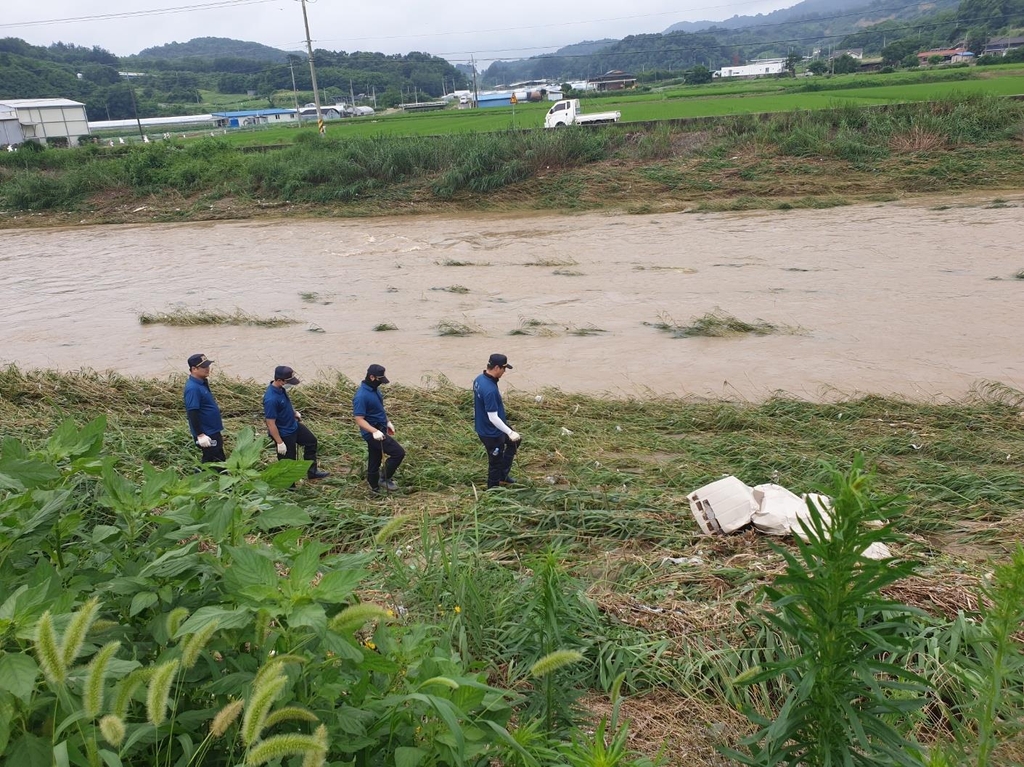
{"points": [[391, 428], [298, 416], [378, 435], [514, 436], [203, 441], [282, 448]]}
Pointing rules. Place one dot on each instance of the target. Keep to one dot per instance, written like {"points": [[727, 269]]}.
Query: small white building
{"points": [[46, 119], [757, 69], [10, 128]]}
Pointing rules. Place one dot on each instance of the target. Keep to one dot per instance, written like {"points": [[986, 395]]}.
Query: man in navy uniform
{"points": [[499, 439], [201, 408], [284, 423], [378, 431]]}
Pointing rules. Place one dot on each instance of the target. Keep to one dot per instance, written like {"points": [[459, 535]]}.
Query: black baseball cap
{"points": [[377, 371], [286, 374], [498, 360], [199, 361]]}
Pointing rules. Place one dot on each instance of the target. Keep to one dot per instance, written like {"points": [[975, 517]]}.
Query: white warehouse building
{"points": [[757, 69], [45, 119]]}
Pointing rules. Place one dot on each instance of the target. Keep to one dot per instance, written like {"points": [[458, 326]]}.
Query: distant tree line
{"points": [[172, 86]]}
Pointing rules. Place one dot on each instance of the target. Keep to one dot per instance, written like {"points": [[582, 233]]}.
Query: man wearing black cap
{"points": [[377, 430], [500, 441], [284, 423], [201, 408]]}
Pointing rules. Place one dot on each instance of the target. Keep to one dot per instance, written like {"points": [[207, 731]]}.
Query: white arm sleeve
{"points": [[498, 423]]}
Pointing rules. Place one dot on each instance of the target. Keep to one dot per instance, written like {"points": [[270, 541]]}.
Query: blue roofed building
{"points": [[250, 117]]}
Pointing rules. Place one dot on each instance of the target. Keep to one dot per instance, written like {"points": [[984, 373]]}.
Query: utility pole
{"points": [[135, 106], [295, 93], [476, 92], [312, 74]]}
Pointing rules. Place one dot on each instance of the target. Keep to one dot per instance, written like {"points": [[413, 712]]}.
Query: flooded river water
{"points": [[897, 299]]}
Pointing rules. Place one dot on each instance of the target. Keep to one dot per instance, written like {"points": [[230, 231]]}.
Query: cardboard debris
{"points": [[727, 505]]}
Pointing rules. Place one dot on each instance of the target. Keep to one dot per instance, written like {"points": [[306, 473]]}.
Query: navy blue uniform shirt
{"points": [[276, 405], [369, 403], [199, 397], [487, 399]]}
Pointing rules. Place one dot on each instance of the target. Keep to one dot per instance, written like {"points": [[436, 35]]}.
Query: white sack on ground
{"points": [[727, 505], [722, 507]]}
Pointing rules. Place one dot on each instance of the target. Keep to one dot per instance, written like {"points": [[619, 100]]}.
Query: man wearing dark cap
{"points": [[284, 423], [201, 408], [500, 441], [377, 430]]}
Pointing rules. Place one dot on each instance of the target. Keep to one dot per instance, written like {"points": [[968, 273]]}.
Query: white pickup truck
{"points": [[568, 112]]}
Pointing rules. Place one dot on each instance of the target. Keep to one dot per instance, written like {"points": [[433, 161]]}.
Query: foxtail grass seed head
{"points": [[74, 637], [50, 659], [554, 661], [196, 643], [175, 618], [112, 729], [356, 616], [393, 526], [126, 690], [225, 718], [273, 667], [289, 713], [278, 746], [318, 757], [92, 695], [159, 692], [262, 698], [262, 626]]}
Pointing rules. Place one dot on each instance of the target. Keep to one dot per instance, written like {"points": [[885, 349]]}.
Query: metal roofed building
{"points": [[47, 119], [248, 117], [10, 128], [152, 122]]}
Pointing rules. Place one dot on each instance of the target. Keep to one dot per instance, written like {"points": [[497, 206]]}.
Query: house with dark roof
{"points": [[615, 80], [998, 46]]}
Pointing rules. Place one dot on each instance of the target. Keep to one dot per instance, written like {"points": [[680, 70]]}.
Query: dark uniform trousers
{"points": [[304, 437], [215, 452], [500, 453], [375, 452]]}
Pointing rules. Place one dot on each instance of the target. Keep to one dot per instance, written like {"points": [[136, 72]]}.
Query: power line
{"points": [[133, 14]]}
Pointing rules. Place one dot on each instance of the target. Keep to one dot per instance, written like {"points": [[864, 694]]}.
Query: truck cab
{"points": [[569, 112]]}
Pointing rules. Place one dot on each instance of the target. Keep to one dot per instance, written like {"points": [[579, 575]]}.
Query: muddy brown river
{"points": [[903, 299]]}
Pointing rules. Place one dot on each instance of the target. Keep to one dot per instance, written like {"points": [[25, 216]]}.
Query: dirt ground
{"points": [[916, 299]]}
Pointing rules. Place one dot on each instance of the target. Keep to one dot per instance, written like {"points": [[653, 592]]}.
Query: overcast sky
{"points": [[455, 29]]}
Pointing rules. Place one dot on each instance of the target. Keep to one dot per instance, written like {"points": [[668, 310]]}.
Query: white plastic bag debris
{"points": [[722, 507], [727, 505], [780, 511]]}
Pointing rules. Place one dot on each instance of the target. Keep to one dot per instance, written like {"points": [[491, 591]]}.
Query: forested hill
{"points": [[805, 8], [765, 35], [214, 47], [175, 86]]}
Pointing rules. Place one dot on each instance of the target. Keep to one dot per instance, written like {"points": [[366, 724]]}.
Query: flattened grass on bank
{"points": [[610, 499], [796, 159]]}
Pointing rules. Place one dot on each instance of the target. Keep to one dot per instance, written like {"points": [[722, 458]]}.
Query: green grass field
{"points": [[715, 99]]}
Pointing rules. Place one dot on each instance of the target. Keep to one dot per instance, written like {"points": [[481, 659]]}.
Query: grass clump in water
{"points": [[187, 318], [453, 328], [586, 330], [716, 324], [1019, 275], [383, 326], [552, 262], [454, 289], [457, 262]]}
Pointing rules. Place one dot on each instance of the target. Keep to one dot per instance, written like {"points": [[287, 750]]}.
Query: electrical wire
{"points": [[217, 4]]}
